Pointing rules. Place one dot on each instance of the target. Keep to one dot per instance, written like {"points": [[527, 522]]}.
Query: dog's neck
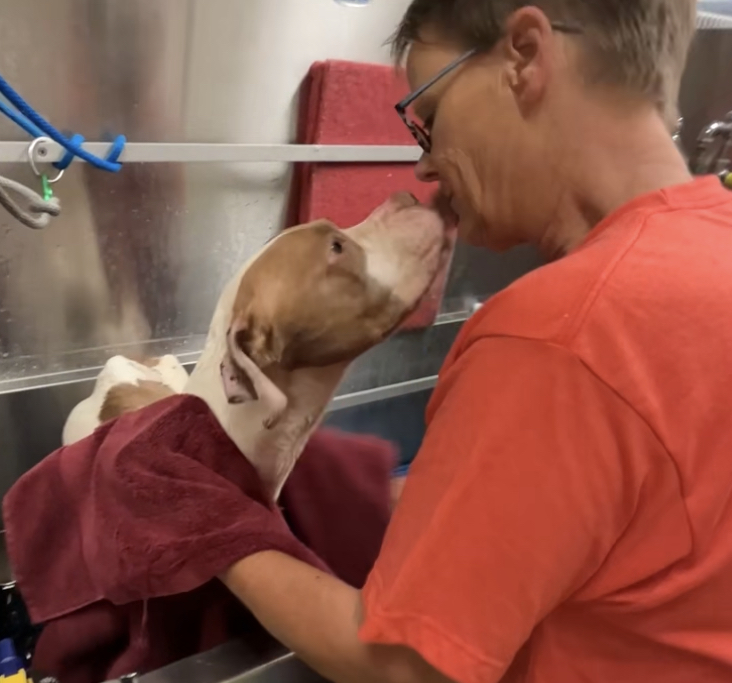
{"points": [[273, 452]]}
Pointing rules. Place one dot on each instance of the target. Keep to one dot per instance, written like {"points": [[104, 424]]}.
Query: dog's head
{"points": [[317, 296]]}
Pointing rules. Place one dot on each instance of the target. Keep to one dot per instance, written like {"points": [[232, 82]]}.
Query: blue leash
{"points": [[35, 125]]}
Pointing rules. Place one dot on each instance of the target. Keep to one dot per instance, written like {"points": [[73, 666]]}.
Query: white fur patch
{"points": [[84, 418]]}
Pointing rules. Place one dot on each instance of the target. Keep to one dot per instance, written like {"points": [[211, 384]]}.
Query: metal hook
{"points": [[34, 149], [676, 137], [38, 146]]}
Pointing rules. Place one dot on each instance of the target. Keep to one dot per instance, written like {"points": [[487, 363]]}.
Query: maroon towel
{"points": [[349, 103], [113, 539], [340, 486]]}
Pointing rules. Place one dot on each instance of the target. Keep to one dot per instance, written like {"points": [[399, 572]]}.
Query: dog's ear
{"points": [[243, 370], [258, 339]]}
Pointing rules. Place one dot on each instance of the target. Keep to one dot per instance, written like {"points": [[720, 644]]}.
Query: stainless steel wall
{"points": [[137, 259]]}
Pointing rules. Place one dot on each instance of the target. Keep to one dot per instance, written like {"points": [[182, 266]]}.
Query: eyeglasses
{"points": [[418, 131]]}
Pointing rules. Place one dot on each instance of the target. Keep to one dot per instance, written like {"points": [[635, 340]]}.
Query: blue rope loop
{"points": [[67, 158], [36, 126]]}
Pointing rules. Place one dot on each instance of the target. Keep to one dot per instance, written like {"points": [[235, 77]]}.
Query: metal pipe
{"points": [[197, 152], [711, 146]]}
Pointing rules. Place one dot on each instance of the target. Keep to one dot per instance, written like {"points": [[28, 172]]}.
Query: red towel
{"points": [[347, 103], [341, 486], [115, 541]]}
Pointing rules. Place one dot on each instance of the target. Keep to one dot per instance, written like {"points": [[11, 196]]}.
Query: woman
{"points": [[569, 515]]}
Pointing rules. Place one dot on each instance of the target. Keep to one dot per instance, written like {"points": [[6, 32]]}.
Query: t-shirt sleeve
{"points": [[530, 470]]}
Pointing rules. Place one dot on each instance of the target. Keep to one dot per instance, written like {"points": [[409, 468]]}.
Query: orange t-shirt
{"points": [[569, 516]]}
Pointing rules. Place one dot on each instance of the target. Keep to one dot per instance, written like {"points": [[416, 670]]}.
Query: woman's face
{"points": [[487, 148]]}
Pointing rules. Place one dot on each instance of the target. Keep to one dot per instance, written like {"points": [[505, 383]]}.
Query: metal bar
{"points": [[355, 398], [237, 661], [187, 351], [197, 152], [456, 316], [358, 398]]}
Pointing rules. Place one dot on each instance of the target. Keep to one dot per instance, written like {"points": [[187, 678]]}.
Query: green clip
{"points": [[47, 191]]}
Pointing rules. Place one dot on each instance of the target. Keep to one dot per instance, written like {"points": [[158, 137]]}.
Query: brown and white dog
{"points": [[286, 328]]}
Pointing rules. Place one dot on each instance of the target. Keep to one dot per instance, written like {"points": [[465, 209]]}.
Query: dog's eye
{"points": [[336, 246]]}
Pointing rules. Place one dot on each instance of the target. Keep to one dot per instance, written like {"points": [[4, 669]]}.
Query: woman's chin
{"points": [[469, 231], [477, 233], [441, 202]]}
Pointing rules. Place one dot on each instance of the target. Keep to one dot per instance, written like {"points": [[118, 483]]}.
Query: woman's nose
{"points": [[425, 169]]}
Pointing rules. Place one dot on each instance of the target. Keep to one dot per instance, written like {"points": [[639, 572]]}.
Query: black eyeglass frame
{"points": [[422, 136]]}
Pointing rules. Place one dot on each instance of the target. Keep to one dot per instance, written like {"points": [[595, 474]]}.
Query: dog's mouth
{"points": [[446, 251]]}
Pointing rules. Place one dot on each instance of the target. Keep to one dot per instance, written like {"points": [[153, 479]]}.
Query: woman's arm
{"points": [[317, 617]]}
